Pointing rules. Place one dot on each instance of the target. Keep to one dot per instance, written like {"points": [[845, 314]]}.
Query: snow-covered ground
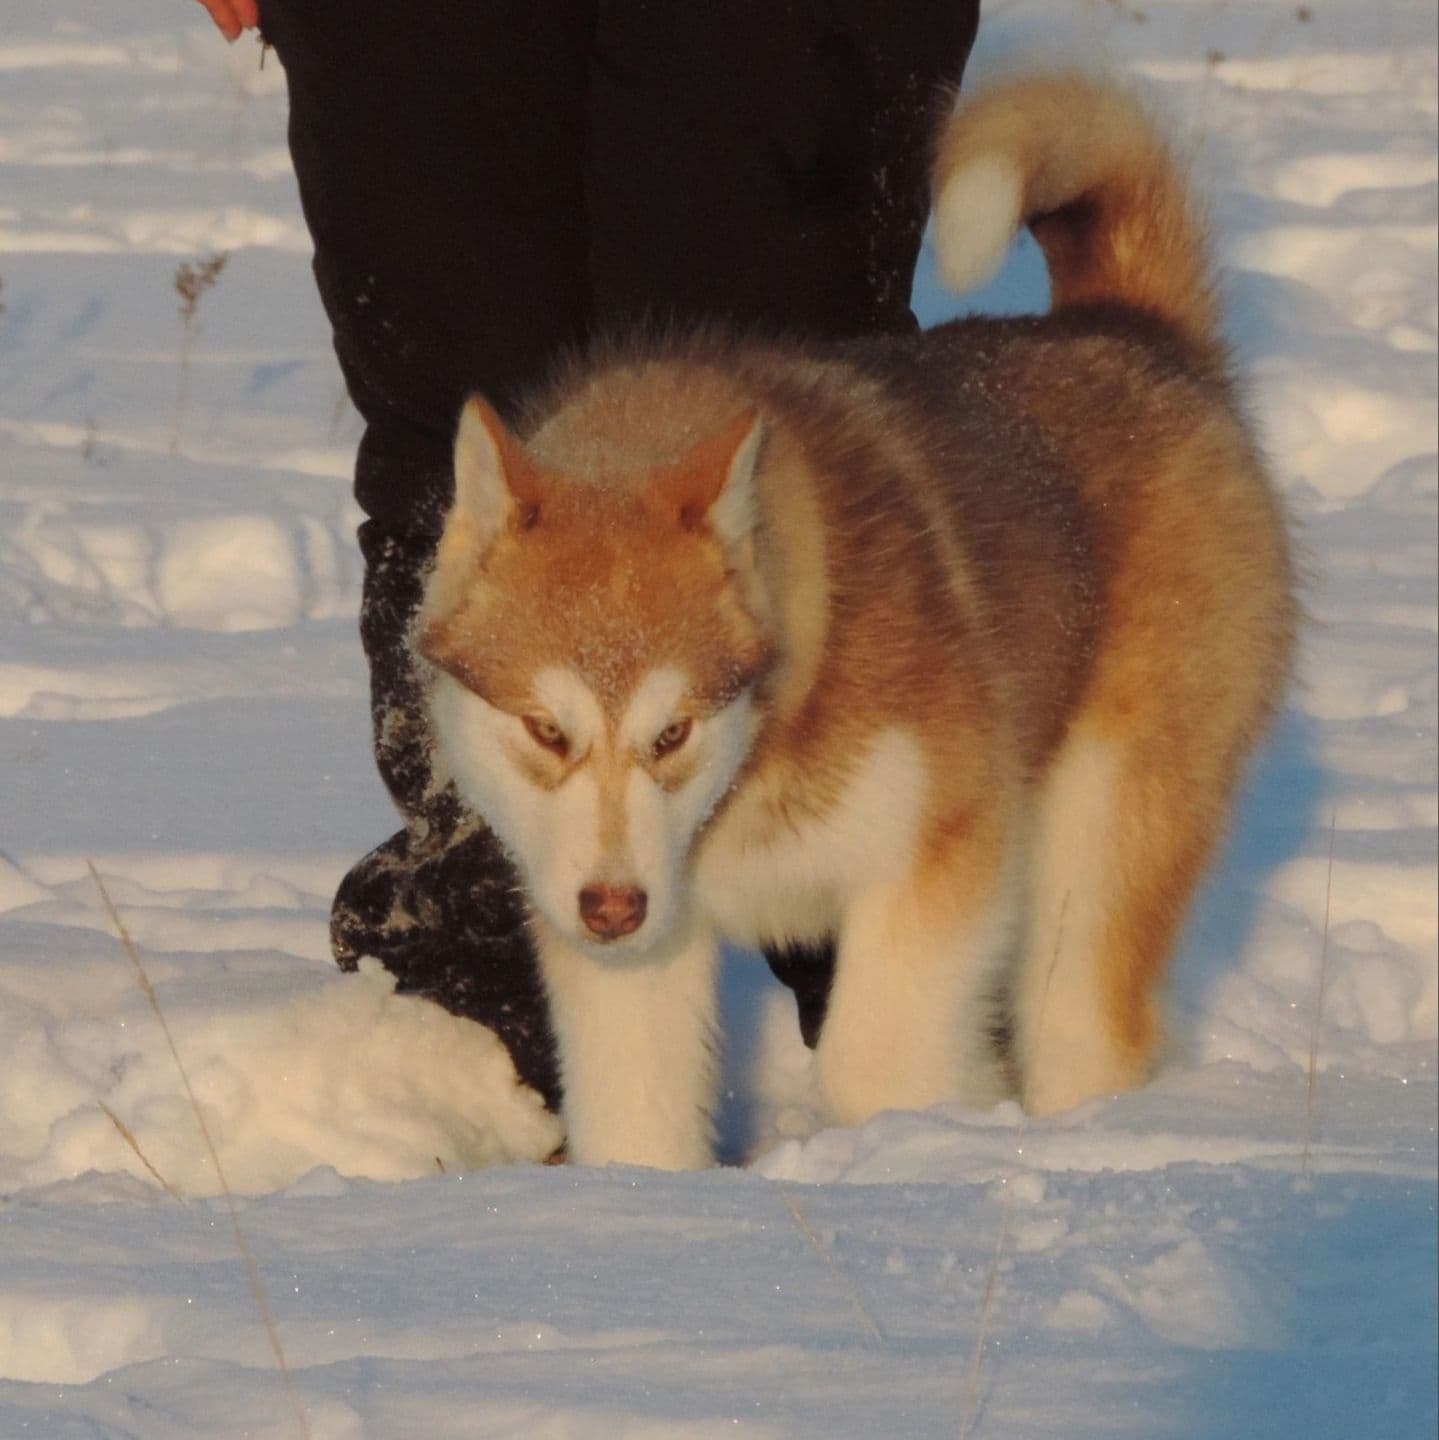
{"points": [[1230, 1253]]}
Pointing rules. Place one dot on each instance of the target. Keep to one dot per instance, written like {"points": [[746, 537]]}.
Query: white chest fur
{"points": [[764, 880]]}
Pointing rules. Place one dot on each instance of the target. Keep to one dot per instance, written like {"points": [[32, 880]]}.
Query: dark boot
{"points": [[444, 920]]}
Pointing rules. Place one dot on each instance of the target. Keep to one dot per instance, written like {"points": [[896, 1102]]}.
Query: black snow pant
{"points": [[489, 183]]}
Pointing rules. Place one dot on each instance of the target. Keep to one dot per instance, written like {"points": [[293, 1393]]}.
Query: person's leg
{"points": [[766, 162], [438, 149], [766, 165]]}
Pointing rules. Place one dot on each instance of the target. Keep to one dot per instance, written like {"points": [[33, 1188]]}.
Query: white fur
{"points": [[794, 887], [912, 995], [636, 1048], [1062, 1033], [469, 735], [573, 707], [652, 706], [553, 836], [662, 824], [976, 216]]}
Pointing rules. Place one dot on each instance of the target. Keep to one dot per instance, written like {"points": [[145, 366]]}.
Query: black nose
{"points": [[610, 913]]}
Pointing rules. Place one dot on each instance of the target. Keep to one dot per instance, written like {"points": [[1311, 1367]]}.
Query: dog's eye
{"points": [[671, 738], [545, 732]]}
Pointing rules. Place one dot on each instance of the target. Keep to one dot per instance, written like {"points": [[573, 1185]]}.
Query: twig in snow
{"points": [[1310, 1086], [1049, 971], [820, 1249], [191, 284], [252, 1270], [128, 1136], [971, 1389]]}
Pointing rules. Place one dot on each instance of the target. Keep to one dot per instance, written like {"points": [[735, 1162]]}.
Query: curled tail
{"points": [[1084, 166]]}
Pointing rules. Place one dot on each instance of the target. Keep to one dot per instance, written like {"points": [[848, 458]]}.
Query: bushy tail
{"points": [[1084, 166]]}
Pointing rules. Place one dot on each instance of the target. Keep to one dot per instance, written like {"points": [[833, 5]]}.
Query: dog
{"points": [[951, 646]]}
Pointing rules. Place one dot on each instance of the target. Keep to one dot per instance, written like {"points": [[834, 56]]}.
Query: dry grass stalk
{"points": [[1310, 1085], [247, 1256], [1053, 965], [191, 284], [822, 1250], [128, 1136], [971, 1389]]}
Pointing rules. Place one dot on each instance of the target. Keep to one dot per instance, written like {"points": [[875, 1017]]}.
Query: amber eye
{"points": [[545, 732], [671, 738]]}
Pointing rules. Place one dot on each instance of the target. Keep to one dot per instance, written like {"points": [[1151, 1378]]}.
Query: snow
{"points": [[1231, 1252]]}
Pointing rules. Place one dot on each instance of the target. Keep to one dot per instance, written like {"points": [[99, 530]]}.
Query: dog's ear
{"points": [[713, 486], [498, 490], [496, 485]]}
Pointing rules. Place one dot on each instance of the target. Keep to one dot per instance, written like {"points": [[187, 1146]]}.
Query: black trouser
{"points": [[490, 182]]}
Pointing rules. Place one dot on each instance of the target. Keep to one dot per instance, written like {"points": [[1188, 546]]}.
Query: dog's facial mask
{"points": [[599, 646]]}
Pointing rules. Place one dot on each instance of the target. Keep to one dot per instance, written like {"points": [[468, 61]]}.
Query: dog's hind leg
{"points": [[637, 1049], [1192, 661], [911, 1011], [1125, 829], [1083, 1013]]}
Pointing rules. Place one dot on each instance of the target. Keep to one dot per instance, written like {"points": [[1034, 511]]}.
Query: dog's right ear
{"points": [[496, 484]]}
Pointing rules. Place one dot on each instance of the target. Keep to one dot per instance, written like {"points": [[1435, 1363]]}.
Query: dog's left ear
{"points": [[713, 486]]}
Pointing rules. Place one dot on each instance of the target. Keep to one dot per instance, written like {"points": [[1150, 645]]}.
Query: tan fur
{"points": [[1043, 553]]}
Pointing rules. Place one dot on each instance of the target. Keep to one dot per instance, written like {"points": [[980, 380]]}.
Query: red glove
{"points": [[234, 16]]}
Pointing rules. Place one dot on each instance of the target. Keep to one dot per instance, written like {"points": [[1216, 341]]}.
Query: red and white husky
{"points": [[951, 646]]}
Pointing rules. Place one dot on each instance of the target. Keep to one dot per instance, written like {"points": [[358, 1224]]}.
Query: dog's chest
{"points": [[773, 869]]}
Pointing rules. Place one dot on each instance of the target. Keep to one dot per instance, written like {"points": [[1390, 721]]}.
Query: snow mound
{"points": [[292, 1073]]}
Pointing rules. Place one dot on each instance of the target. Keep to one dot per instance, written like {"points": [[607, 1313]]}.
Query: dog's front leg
{"points": [[913, 998], [637, 1047]]}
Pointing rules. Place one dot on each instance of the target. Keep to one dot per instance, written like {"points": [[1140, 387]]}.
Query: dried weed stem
{"points": [[247, 1256], [128, 1136], [191, 284], [971, 1389], [822, 1250]]}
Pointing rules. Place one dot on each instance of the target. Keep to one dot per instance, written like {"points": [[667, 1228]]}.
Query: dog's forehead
{"points": [[587, 710], [604, 592]]}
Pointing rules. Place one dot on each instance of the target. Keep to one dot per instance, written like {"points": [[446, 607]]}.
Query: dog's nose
{"points": [[609, 912]]}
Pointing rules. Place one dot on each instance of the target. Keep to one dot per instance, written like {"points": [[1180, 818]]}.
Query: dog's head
{"points": [[598, 641]]}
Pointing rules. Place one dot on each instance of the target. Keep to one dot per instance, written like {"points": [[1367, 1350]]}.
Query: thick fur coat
{"points": [[952, 646]]}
